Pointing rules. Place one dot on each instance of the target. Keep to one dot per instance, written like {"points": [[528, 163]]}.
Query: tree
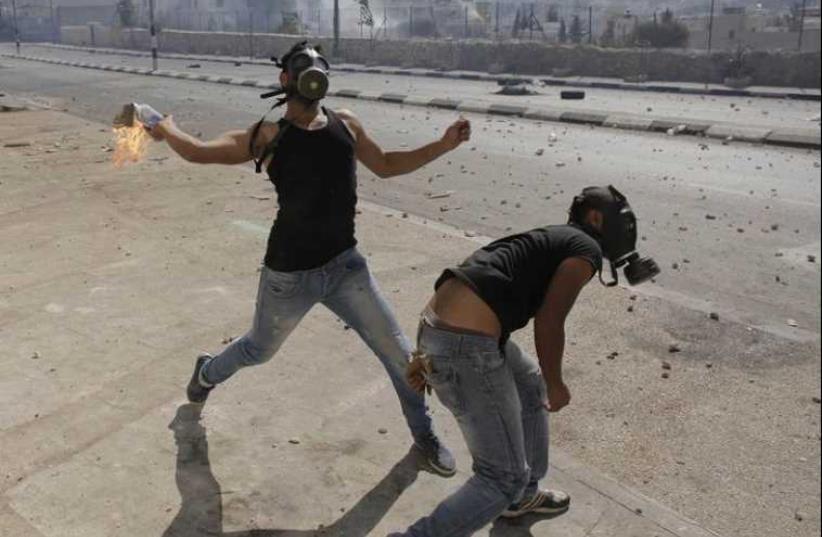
{"points": [[576, 33], [608, 37], [563, 32], [125, 12], [666, 32]]}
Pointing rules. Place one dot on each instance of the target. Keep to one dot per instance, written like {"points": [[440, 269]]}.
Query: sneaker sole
{"points": [[537, 511], [439, 470]]}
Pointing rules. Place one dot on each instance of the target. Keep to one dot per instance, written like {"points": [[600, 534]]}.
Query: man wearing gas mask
{"points": [[498, 394], [310, 155]]}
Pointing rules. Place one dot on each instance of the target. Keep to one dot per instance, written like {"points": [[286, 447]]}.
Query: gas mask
{"points": [[618, 235], [307, 71]]}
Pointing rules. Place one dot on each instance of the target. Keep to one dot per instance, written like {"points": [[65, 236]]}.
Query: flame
{"points": [[130, 144]]}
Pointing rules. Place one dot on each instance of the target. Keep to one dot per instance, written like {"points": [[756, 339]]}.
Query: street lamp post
{"points": [[16, 27], [801, 26], [711, 27], [152, 29], [336, 28]]}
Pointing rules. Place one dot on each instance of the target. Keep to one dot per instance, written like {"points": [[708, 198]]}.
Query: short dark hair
{"points": [[282, 62]]}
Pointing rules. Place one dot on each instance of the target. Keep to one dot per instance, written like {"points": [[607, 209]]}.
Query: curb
{"points": [[479, 76], [783, 137]]}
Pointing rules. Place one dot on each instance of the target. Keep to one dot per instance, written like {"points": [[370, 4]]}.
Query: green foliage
{"points": [[608, 37], [126, 13], [665, 33], [576, 32]]}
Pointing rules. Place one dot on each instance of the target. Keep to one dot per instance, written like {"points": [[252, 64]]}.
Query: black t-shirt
{"points": [[512, 274], [315, 175]]}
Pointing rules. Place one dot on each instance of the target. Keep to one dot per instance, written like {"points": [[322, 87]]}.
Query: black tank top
{"points": [[512, 274], [315, 175]]}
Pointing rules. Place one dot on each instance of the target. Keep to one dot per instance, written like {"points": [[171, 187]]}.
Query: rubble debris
{"points": [[439, 195]]}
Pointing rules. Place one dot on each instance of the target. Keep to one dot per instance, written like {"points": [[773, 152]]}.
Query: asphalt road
{"points": [[739, 110], [735, 228]]}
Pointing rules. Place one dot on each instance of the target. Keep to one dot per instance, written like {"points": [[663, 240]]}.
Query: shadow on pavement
{"points": [[201, 512], [520, 527]]}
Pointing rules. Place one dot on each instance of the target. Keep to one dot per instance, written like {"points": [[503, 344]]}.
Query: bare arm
{"points": [[392, 163], [229, 148], [549, 325]]}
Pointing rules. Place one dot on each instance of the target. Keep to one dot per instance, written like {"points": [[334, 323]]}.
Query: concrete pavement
{"points": [[109, 283]]}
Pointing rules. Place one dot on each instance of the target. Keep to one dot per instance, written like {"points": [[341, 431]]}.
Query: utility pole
{"points": [[152, 29], [711, 27], [16, 27], [336, 28], [590, 24], [250, 31], [801, 26], [53, 23]]}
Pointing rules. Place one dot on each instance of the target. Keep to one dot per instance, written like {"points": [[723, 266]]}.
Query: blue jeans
{"points": [[344, 285], [497, 396]]}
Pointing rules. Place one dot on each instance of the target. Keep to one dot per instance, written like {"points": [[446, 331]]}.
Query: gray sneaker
{"points": [[196, 391], [438, 458], [545, 502]]}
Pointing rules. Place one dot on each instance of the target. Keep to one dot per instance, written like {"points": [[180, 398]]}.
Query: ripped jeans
{"points": [[344, 285], [497, 396]]}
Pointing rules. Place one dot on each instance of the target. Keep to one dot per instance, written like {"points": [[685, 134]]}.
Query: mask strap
{"points": [[614, 276]]}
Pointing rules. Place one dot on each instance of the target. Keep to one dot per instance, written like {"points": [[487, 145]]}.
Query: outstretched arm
{"points": [[229, 148], [549, 325], [392, 163]]}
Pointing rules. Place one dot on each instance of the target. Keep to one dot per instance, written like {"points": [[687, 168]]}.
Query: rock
{"points": [[560, 164], [294, 441], [439, 195], [792, 322], [35, 356], [710, 217], [811, 258], [673, 348], [630, 309], [666, 375], [17, 144], [666, 365], [714, 316], [675, 266], [774, 227], [540, 152], [799, 516], [817, 400], [382, 430], [194, 66], [709, 365]]}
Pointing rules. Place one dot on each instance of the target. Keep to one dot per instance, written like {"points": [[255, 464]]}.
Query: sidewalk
{"points": [[111, 280], [691, 88], [670, 123]]}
